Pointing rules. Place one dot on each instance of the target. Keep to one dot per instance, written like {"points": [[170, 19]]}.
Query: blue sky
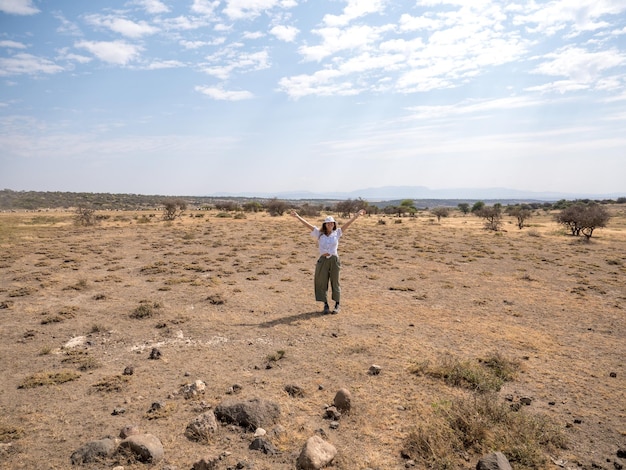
{"points": [[201, 97]]}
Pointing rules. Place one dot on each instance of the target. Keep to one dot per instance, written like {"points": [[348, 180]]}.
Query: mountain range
{"points": [[421, 192]]}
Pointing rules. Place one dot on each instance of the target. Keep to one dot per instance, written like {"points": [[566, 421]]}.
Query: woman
{"points": [[328, 264]]}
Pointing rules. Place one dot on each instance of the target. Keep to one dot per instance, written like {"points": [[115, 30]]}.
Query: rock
{"points": [[260, 432], [343, 400], [94, 451], [128, 370], [207, 463], [294, 391], [621, 453], [194, 389], [250, 414], [495, 461], [613, 374], [374, 369], [118, 411], [526, 401], [75, 341], [146, 448], [263, 445], [332, 413], [155, 354], [316, 453], [201, 427], [129, 430]]}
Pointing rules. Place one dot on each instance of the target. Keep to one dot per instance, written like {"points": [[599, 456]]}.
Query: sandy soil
{"points": [[226, 295]]}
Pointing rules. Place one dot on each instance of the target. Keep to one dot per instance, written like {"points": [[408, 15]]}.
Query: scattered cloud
{"points": [[218, 93], [18, 7], [12, 44], [153, 7], [123, 26], [285, 33], [27, 64], [112, 52]]}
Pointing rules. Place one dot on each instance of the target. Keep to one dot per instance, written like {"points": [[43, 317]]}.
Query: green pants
{"points": [[327, 270]]}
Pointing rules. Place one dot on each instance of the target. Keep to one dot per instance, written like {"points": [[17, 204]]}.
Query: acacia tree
{"points": [[276, 207], [464, 207], [85, 216], [521, 213], [492, 216], [440, 212], [583, 218], [351, 206], [173, 208]]}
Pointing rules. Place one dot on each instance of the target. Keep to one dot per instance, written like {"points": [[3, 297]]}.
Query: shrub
{"points": [[173, 208], [440, 212], [583, 218], [85, 216], [276, 207], [492, 216]]}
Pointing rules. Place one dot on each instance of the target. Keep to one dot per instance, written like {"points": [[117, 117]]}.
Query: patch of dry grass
{"points": [[41, 379]]}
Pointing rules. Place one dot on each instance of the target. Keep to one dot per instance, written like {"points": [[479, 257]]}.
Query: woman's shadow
{"points": [[288, 320]]}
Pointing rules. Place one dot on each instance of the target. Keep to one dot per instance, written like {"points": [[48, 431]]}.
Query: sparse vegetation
{"points": [[238, 310], [583, 218], [49, 378]]}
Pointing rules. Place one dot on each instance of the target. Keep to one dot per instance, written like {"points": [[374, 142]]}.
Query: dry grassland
{"points": [[230, 301]]}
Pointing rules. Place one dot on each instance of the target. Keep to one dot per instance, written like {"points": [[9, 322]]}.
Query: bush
{"points": [[173, 208], [85, 216], [440, 212], [492, 216], [276, 207], [583, 218]]}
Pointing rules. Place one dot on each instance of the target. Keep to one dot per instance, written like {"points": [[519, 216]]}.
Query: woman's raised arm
{"points": [[349, 222], [304, 222]]}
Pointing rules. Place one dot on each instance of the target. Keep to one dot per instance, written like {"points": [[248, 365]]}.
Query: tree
{"points": [[440, 212], [478, 205], [351, 206], [520, 213], [464, 208], [276, 207], [173, 208], [252, 206], [492, 216], [85, 216], [409, 206], [583, 218]]}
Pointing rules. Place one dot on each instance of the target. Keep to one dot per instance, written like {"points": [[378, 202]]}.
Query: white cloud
{"points": [[122, 26], [578, 65], [252, 35], [581, 15], [165, 64], [413, 23], [113, 52], [223, 64], [337, 39], [220, 94], [321, 83], [154, 7], [285, 33], [67, 27], [28, 64], [12, 44], [18, 7], [355, 9], [240, 9], [204, 7]]}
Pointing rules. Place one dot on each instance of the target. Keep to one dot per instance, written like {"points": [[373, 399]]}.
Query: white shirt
{"points": [[327, 243]]}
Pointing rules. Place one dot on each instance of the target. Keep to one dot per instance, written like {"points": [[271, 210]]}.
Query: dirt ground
{"points": [[230, 301]]}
